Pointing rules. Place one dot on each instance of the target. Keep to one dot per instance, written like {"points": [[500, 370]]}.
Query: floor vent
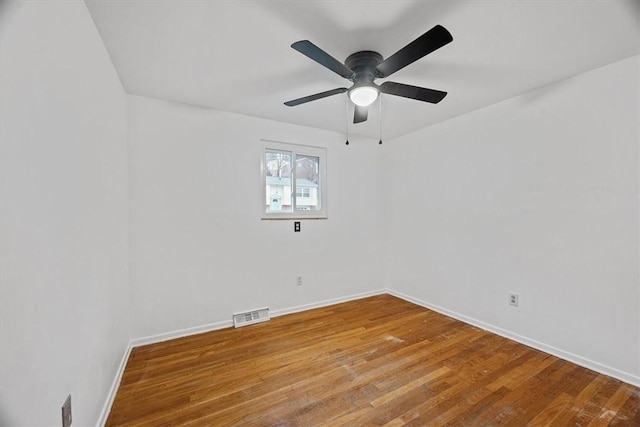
{"points": [[250, 317]]}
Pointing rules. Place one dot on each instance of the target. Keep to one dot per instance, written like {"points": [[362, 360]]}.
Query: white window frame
{"points": [[295, 149]]}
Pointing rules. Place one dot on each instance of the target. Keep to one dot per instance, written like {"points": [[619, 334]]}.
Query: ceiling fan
{"points": [[364, 67]]}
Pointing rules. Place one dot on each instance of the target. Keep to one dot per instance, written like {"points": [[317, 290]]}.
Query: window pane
{"points": [[307, 183], [278, 181], [293, 181]]}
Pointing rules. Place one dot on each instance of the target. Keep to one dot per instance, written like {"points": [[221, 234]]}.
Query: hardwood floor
{"points": [[375, 361]]}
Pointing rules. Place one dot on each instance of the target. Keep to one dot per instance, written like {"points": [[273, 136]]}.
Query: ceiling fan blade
{"points": [[414, 92], [313, 97], [433, 39], [360, 114], [312, 51]]}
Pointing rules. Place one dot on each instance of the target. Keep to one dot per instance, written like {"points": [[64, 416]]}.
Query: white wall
{"points": [[537, 195], [63, 215], [200, 251]]}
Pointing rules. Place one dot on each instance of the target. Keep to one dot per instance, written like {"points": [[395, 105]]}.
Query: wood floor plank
{"points": [[374, 361], [409, 386]]}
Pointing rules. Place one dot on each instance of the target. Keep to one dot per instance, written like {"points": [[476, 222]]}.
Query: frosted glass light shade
{"points": [[363, 95]]}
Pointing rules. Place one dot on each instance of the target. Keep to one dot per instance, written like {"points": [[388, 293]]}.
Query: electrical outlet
{"points": [[296, 226], [514, 299], [66, 412], [299, 280]]}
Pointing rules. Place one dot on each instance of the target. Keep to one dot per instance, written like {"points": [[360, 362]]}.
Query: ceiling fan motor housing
{"points": [[363, 64]]}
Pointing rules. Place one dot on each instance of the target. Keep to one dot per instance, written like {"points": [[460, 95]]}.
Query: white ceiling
{"points": [[235, 55]]}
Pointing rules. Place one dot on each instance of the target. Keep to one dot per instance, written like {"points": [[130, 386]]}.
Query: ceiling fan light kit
{"points": [[364, 67], [363, 96]]}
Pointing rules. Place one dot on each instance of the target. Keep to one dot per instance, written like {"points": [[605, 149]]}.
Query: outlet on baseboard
{"points": [[66, 412], [514, 299]]}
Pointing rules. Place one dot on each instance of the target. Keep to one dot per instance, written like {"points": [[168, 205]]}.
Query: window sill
{"points": [[292, 218]]}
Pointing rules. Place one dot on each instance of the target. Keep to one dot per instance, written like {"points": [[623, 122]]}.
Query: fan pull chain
{"points": [[347, 121], [380, 118]]}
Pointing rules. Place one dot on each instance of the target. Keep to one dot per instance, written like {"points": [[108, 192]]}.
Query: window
{"points": [[303, 192], [293, 181]]}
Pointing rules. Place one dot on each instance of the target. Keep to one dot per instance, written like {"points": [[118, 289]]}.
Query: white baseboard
{"points": [[562, 354], [153, 339], [106, 409], [578, 360], [325, 303]]}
